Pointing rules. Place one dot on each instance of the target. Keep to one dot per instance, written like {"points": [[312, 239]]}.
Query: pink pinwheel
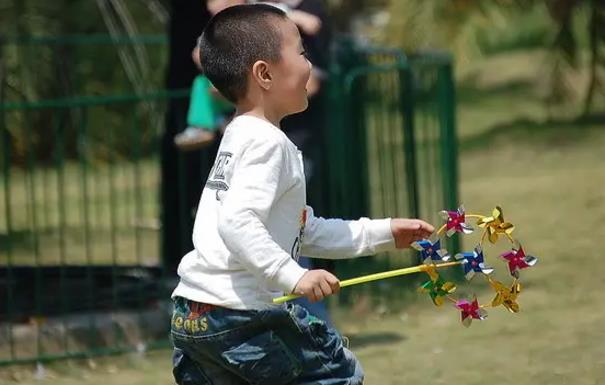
{"points": [[470, 310], [456, 222], [517, 260]]}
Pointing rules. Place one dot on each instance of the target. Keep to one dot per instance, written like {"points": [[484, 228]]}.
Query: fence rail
{"points": [[79, 233], [80, 211]]}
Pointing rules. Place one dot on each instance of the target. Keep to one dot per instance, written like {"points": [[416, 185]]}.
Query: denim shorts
{"points": [[276, 346]]}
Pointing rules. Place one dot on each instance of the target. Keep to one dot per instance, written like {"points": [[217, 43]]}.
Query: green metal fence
{"points": [[80, 230], [392, 150], [79, 204]]}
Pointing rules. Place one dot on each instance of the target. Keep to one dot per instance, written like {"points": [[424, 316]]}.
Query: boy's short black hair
{"points": [[234, 40]]}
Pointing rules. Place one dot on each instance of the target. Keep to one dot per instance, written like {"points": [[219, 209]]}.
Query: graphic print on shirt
{"points": [[216, 179], [295, 252]]}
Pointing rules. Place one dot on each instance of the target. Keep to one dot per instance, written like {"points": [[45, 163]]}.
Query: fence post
{"points": [[448, 142], [6, 181], [409, 141]]}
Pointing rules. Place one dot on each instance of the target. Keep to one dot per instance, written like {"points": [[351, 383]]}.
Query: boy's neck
{"points": [[258, 111]]}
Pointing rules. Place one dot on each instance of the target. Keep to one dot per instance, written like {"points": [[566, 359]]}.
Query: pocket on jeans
{"points": [[327, 339], [264, 359], [186, 371]]}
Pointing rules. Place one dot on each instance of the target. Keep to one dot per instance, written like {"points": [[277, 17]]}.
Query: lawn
{"points": [[100, 214], [548, 177], [552, 190]]}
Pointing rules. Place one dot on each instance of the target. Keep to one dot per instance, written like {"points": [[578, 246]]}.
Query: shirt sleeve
{"points": [[244, 212], [339, 239]]}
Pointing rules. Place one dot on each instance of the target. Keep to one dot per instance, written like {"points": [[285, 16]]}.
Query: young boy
{"points": [[208, 112], [252, 223]]}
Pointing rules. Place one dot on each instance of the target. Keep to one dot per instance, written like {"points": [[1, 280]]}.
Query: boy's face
{"points": [[291, 72]]}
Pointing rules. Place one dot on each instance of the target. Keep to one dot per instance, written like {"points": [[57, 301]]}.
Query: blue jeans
{"points": [[283, 345]]}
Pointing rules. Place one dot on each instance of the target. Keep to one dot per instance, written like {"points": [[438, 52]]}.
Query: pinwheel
{"points": [[430, 269], [473, 262], [505, 296], [517, 260], [431, 252], [438, 289], [456, 222], [434, 257], [495, 225], [470, 311]]}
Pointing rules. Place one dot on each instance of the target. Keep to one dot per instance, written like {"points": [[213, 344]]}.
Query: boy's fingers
{"points": [[317, 294], [427, 227], [326, 289], [334, 283], [335, 288], [311, 296], [424, 229], [331, 278]]}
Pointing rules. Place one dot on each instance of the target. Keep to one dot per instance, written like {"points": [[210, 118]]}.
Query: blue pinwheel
{"points": [[473, 262], [431, 252]]}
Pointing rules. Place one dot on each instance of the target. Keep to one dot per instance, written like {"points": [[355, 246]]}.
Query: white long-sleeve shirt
{"points": [[252, 223]]}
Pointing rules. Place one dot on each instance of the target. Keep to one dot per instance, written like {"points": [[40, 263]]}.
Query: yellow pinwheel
{"points": [[495, 225], [505, 296]]}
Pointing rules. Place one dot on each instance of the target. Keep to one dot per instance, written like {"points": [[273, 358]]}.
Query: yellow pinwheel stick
{"points": [[375, 277]]}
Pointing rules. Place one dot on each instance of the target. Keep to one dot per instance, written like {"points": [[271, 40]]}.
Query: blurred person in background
{"points": [[208, 110]]}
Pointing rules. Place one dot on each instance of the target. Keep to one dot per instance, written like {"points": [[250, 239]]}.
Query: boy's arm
{"points": [[337, 238], [245, 209]]}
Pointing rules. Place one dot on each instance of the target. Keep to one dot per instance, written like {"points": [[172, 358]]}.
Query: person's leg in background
{"points": [[201, 121]]}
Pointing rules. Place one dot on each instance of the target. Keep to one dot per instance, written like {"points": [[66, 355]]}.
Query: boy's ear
{"points": [[262, 75]]}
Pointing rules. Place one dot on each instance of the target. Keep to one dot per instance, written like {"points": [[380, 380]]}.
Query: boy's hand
{"points": [[406, 231], [317, 284]]}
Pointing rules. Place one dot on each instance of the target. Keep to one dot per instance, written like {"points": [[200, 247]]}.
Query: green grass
{"points": [[129, 369], [553, 192], [548, 177], [100, 215]]}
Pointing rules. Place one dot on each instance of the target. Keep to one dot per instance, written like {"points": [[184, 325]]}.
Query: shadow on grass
{"points": [[21, 237], [546, 133], [468, 93], [380, 338]]}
